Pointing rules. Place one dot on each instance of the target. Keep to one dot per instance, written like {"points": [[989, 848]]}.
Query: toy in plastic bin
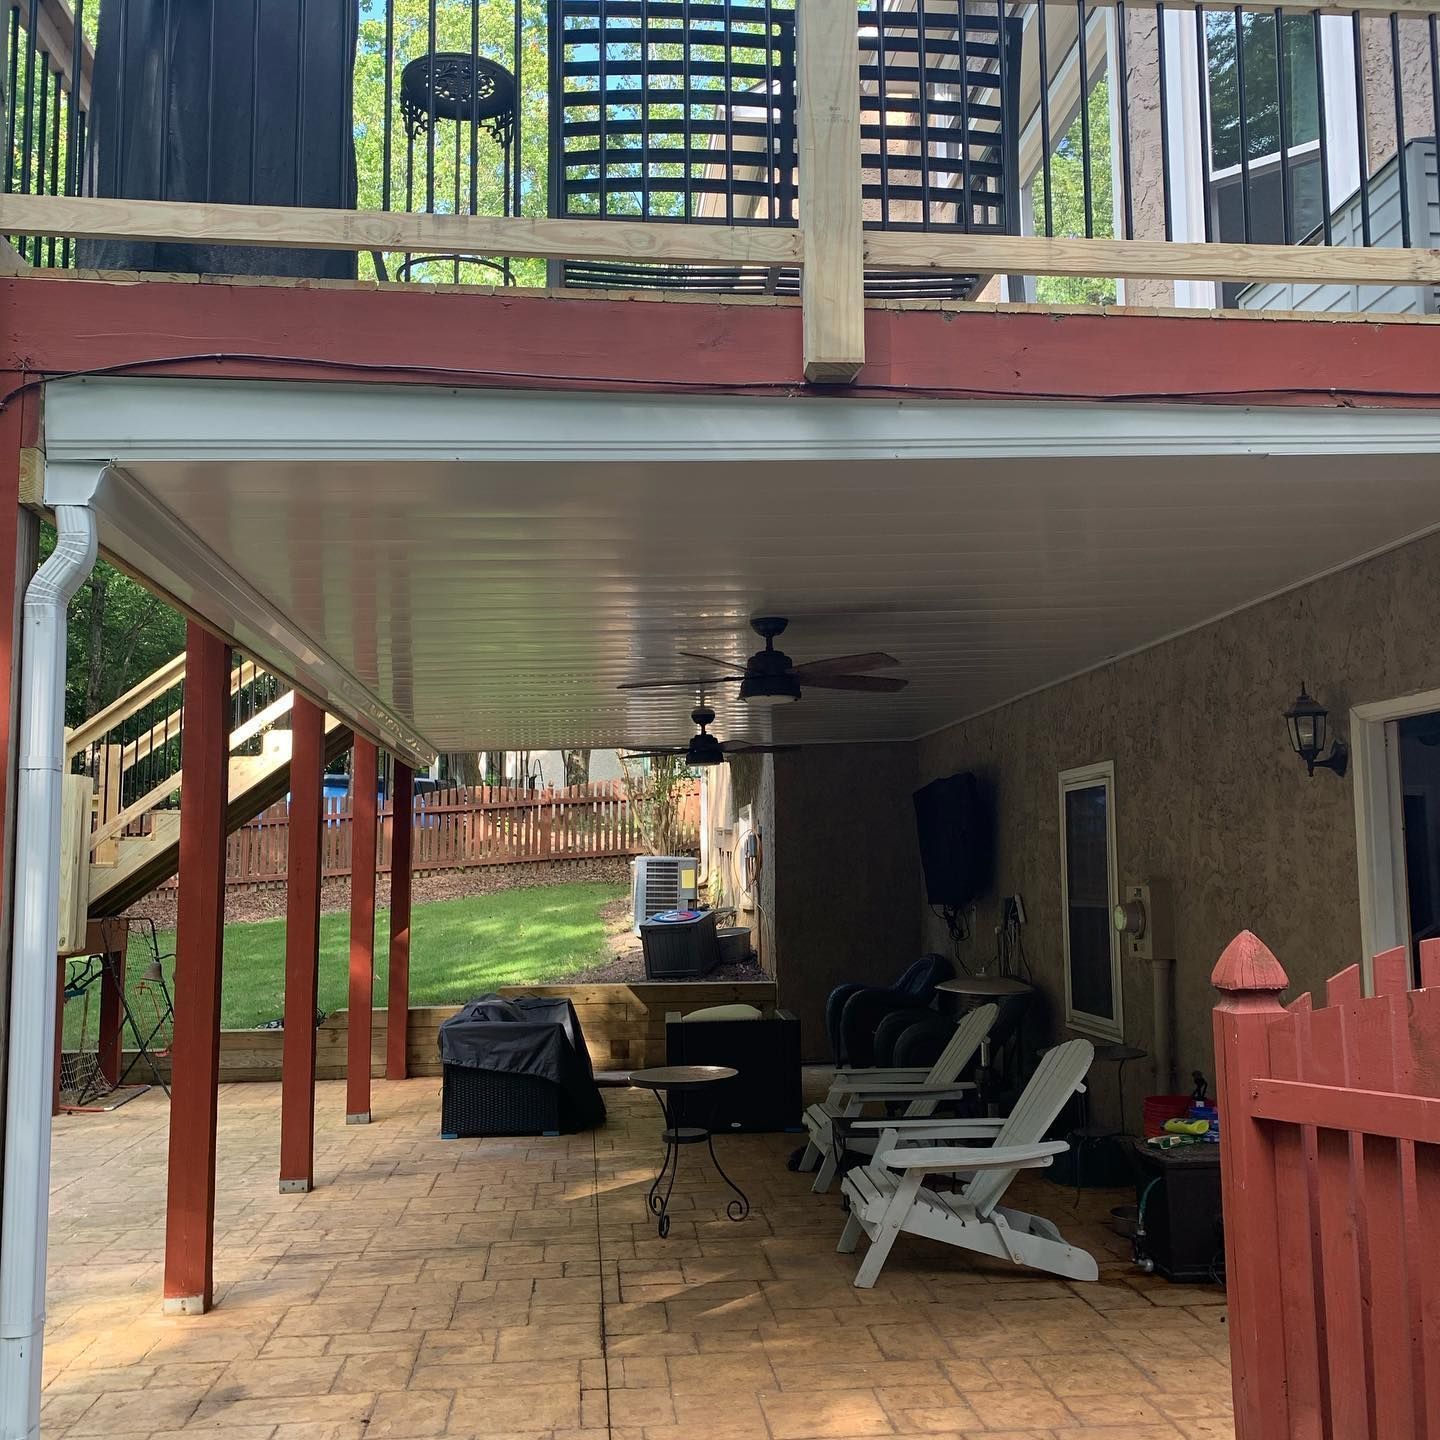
{"points": [[1200, 1125]]}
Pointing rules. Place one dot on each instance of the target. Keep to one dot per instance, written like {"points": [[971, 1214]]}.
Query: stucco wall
{"points": [[843, 874], [1208, 794]]}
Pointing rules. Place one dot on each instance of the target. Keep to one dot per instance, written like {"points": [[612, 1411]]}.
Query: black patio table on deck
{"points": [[666, 1081]]}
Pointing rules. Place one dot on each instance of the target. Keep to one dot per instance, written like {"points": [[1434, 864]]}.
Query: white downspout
{"points": [[32, 986]]}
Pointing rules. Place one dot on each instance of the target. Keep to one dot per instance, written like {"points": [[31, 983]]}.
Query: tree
{"points": [[577, 766], [655, 791], [1067, 188], [118, 633]]}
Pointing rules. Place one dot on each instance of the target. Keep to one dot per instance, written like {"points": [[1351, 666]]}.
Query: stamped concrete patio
{"points": [[516, 1288]]}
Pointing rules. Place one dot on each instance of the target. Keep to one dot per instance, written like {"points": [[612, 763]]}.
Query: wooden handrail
{"points": [[170, 674], [55, 35]]}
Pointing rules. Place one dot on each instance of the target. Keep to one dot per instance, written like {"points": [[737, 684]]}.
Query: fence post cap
{"points": [[1248, 965]]}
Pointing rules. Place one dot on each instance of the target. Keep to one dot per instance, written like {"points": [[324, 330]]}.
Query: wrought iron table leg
{"points": [[735, 1209], [658, 1204]]}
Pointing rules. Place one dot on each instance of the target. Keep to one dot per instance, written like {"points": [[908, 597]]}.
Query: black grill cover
{"points": [[231, 101], [529, 1035]]}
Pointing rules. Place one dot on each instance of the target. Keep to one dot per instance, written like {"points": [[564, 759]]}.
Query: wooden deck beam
{"points": [[402, 841], [364, 776], [200, 923], [302, 946]]}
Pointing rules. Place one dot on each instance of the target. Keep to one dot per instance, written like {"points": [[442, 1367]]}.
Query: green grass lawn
{"points": [[458, 949]]}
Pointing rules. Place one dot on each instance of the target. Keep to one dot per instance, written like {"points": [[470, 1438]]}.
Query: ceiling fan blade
{"points": [[739, 747], [856, 682], [713, 660], [650, 753], [845, 665], [691, 683]]}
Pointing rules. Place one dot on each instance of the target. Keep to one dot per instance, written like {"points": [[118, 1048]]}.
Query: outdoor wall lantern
{"points": [[1306, 721]]}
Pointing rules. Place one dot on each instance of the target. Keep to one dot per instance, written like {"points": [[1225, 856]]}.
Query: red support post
{"points": [[302, 947], [364, 835], [1250, 980], [199, 941], [402, 836]]}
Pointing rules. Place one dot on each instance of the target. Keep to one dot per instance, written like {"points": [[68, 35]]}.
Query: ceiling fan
{"points": [[771, 677], [704, 748]]}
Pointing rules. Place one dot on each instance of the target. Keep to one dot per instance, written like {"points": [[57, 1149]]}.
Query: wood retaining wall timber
{"points": [[624, 1029]]}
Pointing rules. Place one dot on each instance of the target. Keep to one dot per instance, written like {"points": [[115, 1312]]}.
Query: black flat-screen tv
{"points": [[955, 824]]}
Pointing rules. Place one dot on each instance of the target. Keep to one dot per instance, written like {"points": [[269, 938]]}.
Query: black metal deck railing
{"points": [[1156, 121]]}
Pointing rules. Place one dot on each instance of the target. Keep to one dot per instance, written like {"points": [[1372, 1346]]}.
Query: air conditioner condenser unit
{"points": [[662, 882]]}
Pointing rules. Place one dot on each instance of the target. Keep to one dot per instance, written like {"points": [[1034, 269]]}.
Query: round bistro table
{"points": [[666, 1081]]}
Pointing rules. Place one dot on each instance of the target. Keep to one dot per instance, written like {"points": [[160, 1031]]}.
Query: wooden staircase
{"points": [[124, 789]]}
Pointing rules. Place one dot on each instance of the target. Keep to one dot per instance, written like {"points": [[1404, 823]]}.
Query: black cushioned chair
{"points": [[853, 1013]]}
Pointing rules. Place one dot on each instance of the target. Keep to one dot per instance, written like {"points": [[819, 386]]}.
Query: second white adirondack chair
{"points": [[888, 1197], [920, 1092]]}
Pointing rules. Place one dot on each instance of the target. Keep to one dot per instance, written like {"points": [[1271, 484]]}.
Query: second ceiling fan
{"points": [[771, 677]]}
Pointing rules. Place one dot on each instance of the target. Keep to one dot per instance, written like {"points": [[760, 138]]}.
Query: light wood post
{"points": [[302, 947], [199, 940], [1250, 980], [402, 837], [833, 277], [364, 833]]}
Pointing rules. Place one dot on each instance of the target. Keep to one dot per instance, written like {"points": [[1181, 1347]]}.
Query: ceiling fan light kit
{"points": [[768, 678]]}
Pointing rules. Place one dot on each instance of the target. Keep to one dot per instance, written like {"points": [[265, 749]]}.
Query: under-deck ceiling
{"points": [[493, 593]]}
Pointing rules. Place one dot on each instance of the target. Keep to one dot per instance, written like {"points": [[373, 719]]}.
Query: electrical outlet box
{"points": [[1145, 921]]}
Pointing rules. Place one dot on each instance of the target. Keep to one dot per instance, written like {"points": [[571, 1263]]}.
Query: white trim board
{"points": [[135, 420]]}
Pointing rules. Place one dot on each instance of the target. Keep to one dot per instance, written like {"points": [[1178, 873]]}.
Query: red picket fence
{"points": [[1330, 1162], [464, 829]]}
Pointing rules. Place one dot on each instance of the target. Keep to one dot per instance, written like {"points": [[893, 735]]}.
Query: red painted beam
{"points": [[199, 939], [356, 336], [364, 833], [302, 946], [402, 839]]}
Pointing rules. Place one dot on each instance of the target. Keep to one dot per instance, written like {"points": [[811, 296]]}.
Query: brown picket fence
{"points": [[465, 828]]}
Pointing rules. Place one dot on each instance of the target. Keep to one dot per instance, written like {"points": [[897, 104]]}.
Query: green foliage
{"points": [[1067, 184], [118, 634], [655, 789]]}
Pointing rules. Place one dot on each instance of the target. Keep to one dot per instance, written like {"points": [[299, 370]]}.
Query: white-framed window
{"points": [[1088, 892]]}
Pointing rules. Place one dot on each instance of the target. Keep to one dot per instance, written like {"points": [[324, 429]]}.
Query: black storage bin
{"points": [[482, 1102], [765, 1095], [1183, 1230], [680, 944]]}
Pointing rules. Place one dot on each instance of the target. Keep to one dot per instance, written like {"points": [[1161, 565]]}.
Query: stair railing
{"points": [[132, 749]]}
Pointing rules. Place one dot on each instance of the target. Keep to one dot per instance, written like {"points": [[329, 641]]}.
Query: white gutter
{"points": [[32, 985]]}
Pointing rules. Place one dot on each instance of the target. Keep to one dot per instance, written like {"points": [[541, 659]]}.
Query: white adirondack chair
{"points": [[921, 1090], [888, 1197]]}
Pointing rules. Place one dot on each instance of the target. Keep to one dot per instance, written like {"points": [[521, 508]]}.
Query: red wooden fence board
{"points": [[467, 829], [1341, 1235], [1330, 1135], [1430, 963], [1392, 971], [1388, 1314], [1297, 1232]]}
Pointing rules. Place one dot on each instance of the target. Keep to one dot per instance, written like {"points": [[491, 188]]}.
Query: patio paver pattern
{"points": [[454, 1288]]}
